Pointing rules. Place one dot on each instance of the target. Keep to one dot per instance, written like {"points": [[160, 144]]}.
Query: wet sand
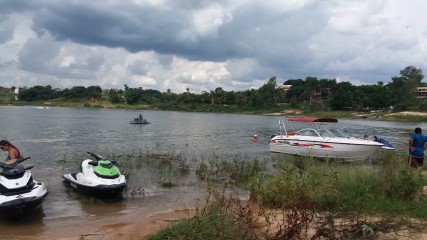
{"points": [[136, 229], [132, 226]]}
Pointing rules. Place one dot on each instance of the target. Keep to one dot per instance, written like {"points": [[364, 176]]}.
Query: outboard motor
{"points": [[387, 145]]}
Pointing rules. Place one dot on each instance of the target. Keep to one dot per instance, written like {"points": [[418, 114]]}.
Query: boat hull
{"points": [[139, 122], [336, 148]]}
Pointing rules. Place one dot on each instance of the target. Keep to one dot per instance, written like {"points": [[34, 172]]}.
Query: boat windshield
{"points": [[342, 133], [308, 132], [326, 133]]}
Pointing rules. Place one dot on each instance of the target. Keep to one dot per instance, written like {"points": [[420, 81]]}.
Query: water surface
{"points": [[51, 135]]}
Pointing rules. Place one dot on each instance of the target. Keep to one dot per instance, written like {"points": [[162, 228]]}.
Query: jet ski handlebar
{"points": [[99, 157], [96, 156], [13, 162]]}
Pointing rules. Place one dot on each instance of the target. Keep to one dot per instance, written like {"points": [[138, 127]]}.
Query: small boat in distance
{"points": [[42, 107], [319, 138], [139, 120]]}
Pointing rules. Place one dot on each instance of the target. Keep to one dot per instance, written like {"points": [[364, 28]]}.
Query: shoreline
{"points": [[385, 116], [131, 226], [148, 107]]}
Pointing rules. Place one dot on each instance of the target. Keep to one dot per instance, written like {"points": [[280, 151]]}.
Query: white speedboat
{"points": [[320, 139]]}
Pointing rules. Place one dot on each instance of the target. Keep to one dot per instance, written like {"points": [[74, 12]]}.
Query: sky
{"points": [[205, 44]]}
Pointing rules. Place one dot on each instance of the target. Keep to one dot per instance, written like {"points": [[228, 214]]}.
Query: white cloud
{"points": [[207, 21], [202, 45], [144, 81]]}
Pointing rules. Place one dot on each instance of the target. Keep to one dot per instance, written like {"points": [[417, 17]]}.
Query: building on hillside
{"points": [[16, 93], [5, 90], [285, 87], [320, 92], [422, 92]]}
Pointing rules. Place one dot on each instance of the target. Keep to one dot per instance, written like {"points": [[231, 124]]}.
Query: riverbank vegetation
{"points": [[309, 95], [285, 197], [307, 198]]}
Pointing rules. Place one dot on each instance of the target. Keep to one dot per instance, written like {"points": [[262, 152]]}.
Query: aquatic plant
{"points": [[238, 170], [334, 200]]}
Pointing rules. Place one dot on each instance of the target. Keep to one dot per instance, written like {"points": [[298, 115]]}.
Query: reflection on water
{"points": [[57, 139], [28, 226]]}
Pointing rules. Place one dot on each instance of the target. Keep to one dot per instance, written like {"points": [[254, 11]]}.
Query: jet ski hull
{"points": [[97, 177], [133, 122], [110, 187], [16, 205]]}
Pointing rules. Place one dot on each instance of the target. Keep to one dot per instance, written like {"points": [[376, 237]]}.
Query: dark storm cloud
{"points": [[271, 37], [95, 61], [6, 30], [139, 28], [43, 57], [35, 56], [126, 26], [138, 68], [210, 42]]}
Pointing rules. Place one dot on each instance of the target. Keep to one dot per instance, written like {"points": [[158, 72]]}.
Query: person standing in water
{"points": [[417, 145]]}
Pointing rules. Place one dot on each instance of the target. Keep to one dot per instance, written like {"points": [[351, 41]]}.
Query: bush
{"points": [[211, 223]]}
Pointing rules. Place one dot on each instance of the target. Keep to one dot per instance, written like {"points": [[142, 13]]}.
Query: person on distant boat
{"points": [[417, 145], [254, 138], [13, 152]]}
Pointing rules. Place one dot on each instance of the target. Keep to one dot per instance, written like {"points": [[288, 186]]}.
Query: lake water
{"points": [[51, 135]]}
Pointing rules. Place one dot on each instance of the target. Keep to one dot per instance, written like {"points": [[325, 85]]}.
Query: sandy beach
{"points": [[131, 227], [407, 113]]}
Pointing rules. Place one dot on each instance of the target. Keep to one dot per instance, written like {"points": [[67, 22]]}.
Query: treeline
{"points": [[311, 94]]}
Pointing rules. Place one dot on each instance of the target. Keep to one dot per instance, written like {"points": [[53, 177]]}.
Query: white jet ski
{"points": [[97, 177], [19, 193]]}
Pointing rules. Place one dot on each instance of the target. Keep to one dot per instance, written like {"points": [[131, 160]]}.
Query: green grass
{"points": [[347, 200], [358, 200], [326, 186], [211, 223]]}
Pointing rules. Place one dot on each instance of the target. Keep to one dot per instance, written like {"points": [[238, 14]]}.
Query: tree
{"points": [[94, 92], [75, 93], [310, 86], [342, 98], [294, 95], [403, 87], [267, 93], [115, 96], [218, 95], [133, 95], [412, 73], [37, 93]]}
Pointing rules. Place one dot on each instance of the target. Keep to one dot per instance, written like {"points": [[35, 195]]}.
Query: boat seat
{"points": [[291, 134]]}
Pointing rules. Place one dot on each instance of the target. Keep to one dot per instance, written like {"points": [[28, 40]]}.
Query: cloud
{"points": [[202, 45]]}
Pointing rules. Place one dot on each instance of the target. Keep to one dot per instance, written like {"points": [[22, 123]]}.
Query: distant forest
{"points": [[310, 94]]}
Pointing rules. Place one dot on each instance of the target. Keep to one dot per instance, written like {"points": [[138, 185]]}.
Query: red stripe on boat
{"points": [[311, 119]]}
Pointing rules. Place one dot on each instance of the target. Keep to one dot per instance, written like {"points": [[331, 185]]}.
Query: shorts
{"points": [[415, 161]]}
